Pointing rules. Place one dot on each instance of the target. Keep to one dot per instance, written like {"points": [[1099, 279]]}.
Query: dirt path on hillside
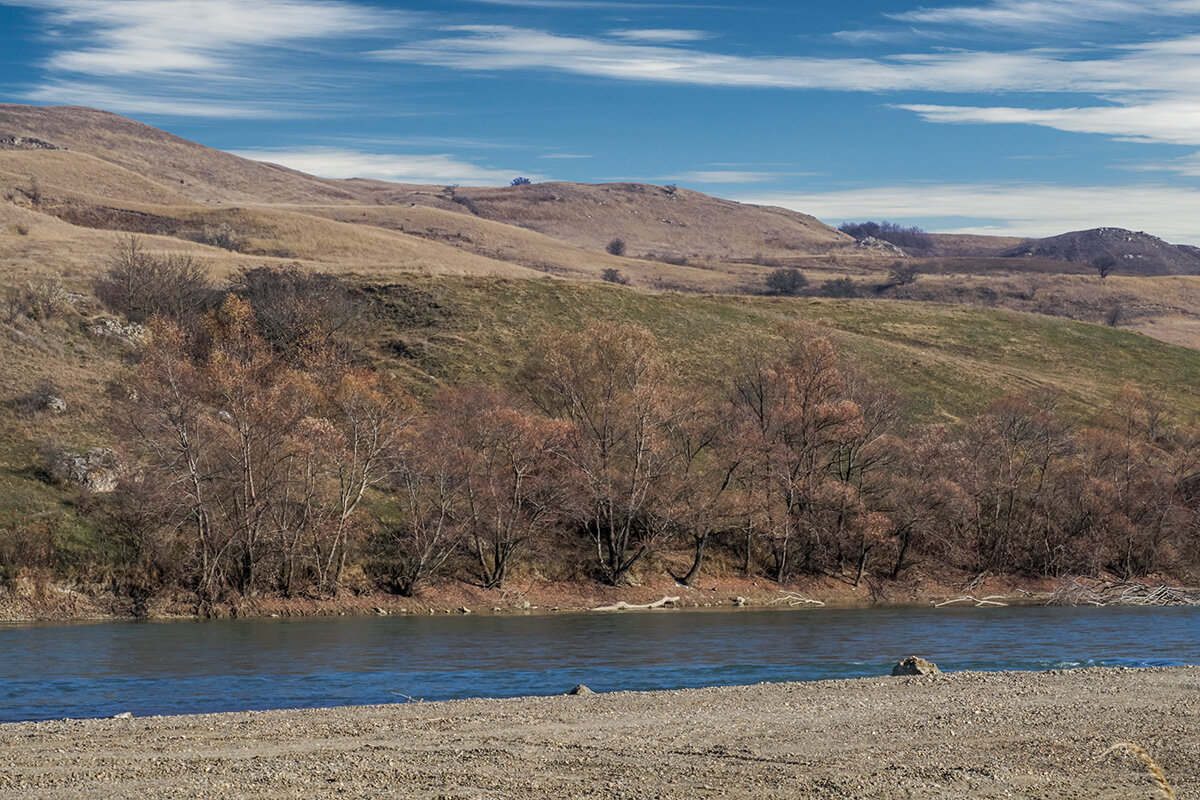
{"points": [[965, 735]]}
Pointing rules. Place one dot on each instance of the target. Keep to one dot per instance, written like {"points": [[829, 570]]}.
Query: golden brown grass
{"points": [[654, 220], [63, 172], [197, 172], [676, 239], [1156, 772]]}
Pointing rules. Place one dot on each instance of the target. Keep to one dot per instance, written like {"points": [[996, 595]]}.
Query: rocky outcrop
{"points": [[98, 470], [880, 246], [131, 334], [10, 142], [51, 403]]}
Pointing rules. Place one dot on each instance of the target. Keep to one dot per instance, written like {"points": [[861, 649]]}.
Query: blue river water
{"points": [[52, 671]]}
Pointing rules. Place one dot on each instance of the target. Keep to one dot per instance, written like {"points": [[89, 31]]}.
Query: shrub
{"points": [[34, 192], [616, 247], [614, 276], [839, 287], [37, 300], [786, 282], [902, 275], [293, 307], [522, 181], [223, 236], [140, 285]]}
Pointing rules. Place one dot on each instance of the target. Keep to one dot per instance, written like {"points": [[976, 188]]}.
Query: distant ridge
{"points": [[1136, 253]]}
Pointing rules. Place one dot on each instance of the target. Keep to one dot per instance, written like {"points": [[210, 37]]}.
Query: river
{"points": [[51, 671]]}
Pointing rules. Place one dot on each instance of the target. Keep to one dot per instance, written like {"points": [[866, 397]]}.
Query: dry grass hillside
{"points": [[74, 181], [655, 222], [98, 170], [200, 173]]}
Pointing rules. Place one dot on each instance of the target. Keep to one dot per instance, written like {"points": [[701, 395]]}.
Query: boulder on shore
{"points": [[915, 665]]}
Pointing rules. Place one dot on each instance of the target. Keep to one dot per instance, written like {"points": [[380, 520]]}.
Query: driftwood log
{"points": [[795, 599], [623, 606], [979, 602]]}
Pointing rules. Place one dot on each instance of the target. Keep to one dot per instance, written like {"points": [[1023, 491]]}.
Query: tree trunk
{"points": [[862, 566], [694, 572]]}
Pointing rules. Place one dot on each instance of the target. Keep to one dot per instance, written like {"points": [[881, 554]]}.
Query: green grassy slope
{"points": [[949, 362]]}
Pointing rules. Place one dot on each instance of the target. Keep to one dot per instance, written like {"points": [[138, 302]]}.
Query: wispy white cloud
{"points": [[334, 162], [660, 35], [1144, 91], [1186, 165], [190, 36], [723, 176], [1009, 209], [1168, 121], [190, 57], [108, 98], [1037, 14], [501, 47]]}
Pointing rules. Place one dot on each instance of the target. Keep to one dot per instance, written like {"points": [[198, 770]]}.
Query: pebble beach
{"points": [[959, 735]]}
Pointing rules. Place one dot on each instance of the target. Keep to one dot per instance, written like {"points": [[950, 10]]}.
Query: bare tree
{"points": [[141, 285], [1104, 265], [791, 413], [611, 386], [504, 460], [428, 498]]}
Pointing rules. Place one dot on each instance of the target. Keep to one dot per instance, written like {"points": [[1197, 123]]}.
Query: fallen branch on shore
{"points": [[990, 600], [1121, 593], [794, 599], [623, 606]]}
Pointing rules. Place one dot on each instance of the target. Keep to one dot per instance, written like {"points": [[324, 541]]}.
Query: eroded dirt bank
{"points": [[965, 735]]}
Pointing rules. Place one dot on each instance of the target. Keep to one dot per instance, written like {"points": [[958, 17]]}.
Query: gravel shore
{"points": [[962, 735]]}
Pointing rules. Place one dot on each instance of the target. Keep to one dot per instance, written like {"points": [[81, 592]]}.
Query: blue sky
{"points": [[1028, 117]]}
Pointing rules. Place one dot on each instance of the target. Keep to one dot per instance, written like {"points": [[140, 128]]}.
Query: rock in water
{"points": [[915, 665], [581, 689]]}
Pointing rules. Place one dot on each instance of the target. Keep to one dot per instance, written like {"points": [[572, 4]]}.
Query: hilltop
{"points": [[1133, 253]]}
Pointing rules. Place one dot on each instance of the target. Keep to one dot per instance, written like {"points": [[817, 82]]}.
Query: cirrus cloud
{"points": [[336, 162]]}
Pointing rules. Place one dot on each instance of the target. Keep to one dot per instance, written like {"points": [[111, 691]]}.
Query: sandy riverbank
{"points": [[965, 735]]}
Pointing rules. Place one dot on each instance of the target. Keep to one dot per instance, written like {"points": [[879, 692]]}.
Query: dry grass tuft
{"points": [[1156, 772]]}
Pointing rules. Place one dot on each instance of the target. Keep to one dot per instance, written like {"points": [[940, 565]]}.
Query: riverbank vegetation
{"points": [[299, 434]]}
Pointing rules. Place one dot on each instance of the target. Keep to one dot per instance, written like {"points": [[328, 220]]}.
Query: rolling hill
{"points": [[459, 282]]}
